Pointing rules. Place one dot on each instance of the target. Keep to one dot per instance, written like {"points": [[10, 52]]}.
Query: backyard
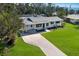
{"points": [[66, 39], [22, 49]]}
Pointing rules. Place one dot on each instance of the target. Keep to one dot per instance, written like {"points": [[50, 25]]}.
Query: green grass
{"points": [[22, 49], [66, 39]]}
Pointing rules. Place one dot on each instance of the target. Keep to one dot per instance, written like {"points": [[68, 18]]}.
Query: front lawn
{"points": [[22, 49], [66, 39]]}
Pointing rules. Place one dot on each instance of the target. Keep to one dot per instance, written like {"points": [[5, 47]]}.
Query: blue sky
{"points": [[73, 5]]}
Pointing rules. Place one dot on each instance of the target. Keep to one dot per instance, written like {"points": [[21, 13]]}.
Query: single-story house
{"points": [[73, 18], [54, 14], [32, 24]]}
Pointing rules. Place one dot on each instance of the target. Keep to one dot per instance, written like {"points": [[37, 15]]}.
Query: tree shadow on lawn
{"points": [[76, 27]]}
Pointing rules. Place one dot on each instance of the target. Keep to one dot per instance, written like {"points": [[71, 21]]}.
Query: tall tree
{"points": [[9, 25], [61, 12], [71, 11]]}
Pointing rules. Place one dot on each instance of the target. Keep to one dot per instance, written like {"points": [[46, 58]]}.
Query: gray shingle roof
{"points": [[37, 20]]}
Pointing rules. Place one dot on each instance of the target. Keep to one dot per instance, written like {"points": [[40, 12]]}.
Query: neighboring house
{"points": [[54, 13], [32, 24], [73, 18]]}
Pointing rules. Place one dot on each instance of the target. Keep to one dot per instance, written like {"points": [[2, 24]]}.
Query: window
{"points": [[57, 21], [31, 25], [38, 25], [47, 24], [52, 22]]}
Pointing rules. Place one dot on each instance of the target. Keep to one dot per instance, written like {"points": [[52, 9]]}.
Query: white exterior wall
{"points": [[72, 20], [59, 24], [50, 25], [54, 24], [26, 28]]}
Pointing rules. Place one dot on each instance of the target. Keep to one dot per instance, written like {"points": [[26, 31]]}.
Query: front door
{"points": [[43, 26]]}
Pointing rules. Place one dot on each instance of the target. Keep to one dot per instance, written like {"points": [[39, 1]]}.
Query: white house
{"points": [[73, 18], [32, 24]]}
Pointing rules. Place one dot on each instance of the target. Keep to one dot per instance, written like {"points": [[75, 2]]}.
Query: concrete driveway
{"points": [[48, 48]]}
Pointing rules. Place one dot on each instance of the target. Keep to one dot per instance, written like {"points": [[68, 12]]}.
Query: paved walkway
{"points": [[47, 30], [48, 48]]}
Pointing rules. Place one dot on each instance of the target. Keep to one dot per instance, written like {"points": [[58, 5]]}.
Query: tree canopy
{"points": [[9, 24]]}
